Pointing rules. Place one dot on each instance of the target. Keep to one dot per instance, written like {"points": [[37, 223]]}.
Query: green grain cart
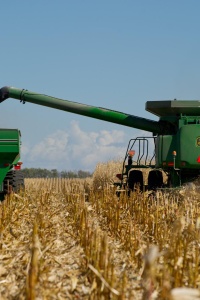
{"points": [[175, 139]]}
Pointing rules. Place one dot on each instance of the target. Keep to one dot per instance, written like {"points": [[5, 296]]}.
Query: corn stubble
{"points": [[74, 239]]}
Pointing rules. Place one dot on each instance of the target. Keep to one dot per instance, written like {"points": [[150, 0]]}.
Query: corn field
{"points": [[75, 239]]}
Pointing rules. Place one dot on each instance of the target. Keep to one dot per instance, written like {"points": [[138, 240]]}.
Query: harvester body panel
{"points": [[165, 145], [189, 147]]}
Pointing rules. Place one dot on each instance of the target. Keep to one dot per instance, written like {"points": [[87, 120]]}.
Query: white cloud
{"points": [[75, 149], [51, 148], [111, 137]]}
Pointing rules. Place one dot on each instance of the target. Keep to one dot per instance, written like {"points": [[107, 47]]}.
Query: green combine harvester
{"points": [[175, 139]]}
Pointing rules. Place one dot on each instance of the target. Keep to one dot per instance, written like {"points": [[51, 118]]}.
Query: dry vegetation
{"points": [[71, 239]]}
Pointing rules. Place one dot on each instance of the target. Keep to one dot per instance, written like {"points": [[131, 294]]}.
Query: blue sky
{"points": [[113, 54]]}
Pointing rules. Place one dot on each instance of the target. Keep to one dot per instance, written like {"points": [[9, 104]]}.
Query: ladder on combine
{"points": [[142, 149]]}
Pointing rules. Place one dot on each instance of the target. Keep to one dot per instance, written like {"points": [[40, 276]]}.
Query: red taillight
{"points": [[119, 176], [170, 164], [18, 166], [198, 159]]}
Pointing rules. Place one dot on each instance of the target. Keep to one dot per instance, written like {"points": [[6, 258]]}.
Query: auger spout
{"points": [[157, 127]]}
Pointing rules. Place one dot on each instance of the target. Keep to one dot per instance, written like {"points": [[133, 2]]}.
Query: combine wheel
{"points": [[14, 181], [135, 179], [155, 179]]}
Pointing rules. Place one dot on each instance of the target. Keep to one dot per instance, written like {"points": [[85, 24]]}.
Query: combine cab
{"points": [[176, 155]]}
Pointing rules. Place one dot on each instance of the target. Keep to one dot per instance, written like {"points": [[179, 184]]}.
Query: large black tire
{"points": [[155, 179], [14, 181], [135, 180]]}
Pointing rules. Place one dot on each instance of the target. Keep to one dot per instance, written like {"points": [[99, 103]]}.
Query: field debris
{"points": [[185, 294], [56, 244]]}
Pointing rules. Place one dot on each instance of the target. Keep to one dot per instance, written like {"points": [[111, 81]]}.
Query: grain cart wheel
{"points": [[135, 179], [14, 181], [155, 179], [18, 181], [7, 183]]}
